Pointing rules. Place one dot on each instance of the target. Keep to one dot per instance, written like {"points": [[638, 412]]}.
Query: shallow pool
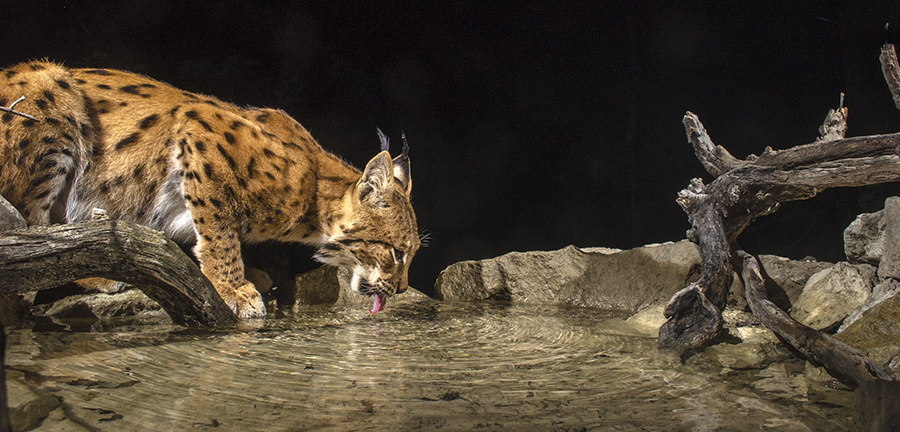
{"points": [[425, 366]]}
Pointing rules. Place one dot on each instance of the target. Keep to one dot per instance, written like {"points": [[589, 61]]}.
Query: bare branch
{"points": [[715, 159]]}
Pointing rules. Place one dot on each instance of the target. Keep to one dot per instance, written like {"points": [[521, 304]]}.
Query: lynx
{"points": [[203, 171]]}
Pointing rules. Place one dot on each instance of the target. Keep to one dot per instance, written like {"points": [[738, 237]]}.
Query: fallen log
{"points": [[42, 257]]}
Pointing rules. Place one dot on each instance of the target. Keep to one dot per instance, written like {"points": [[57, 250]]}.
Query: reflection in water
{"points": [[423, 367]]}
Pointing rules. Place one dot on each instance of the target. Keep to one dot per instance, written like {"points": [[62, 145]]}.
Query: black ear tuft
{"points": [[401, 168], [405, 145], [385, 141]]}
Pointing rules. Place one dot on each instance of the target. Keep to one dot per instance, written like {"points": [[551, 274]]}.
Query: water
{"points": [[433, 366]]}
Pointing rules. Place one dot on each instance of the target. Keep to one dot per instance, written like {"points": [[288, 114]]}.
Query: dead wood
{"points": [[841, 360], [42, 257], [747, 189], [695, 312]]}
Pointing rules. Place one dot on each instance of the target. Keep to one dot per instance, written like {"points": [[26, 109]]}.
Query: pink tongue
{"points": [[380, 302]]}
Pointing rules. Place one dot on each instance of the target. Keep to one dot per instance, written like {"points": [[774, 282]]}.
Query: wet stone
{"points": [[833, 294]]}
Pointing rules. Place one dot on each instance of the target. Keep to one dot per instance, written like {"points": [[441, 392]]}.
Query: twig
{"points": [[10, 109]]}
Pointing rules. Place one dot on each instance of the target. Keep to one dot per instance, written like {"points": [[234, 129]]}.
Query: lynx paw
{"points": [[246, 302]]}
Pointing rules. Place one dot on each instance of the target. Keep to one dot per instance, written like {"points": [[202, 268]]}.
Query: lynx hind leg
{"points": [[219, 253]]}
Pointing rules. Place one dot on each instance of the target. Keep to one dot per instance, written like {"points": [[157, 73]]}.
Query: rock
{"points": [[649, 320], [785, 278], [877, 334], [100, 305], [816, 374], [864, 238], [320, 286], [330, 286], [9, 217], [889, 266], [28, 406], [259, 278], [883, 291], [833, 294], [749, 355], [626, 281]]}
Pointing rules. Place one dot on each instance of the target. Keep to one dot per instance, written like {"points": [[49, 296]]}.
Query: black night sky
{"points": [[532, 124]]}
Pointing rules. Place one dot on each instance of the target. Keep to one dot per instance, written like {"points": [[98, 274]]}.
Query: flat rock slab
{"points": [[624, 281]]}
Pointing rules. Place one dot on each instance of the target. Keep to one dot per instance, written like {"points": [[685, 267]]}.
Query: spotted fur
{"points": [[201, 170]]}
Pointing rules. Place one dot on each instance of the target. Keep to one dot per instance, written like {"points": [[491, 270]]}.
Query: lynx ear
{"points": [[376, 180], [401, 163], [401, 168]]}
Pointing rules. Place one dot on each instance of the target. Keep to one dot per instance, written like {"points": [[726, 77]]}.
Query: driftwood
{"points": [[842, 361], [746, 189], [891, 70], [42, 257]]}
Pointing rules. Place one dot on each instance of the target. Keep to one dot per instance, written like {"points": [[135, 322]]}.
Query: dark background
{"points": [[532, 124]]}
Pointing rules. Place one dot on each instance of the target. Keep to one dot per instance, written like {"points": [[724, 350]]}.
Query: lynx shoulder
{"points": [[204, 172]]}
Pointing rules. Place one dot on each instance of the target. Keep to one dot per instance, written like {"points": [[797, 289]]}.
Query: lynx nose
{"points": [[402, 286]]}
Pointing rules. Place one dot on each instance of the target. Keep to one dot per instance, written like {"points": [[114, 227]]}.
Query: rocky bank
{"points": [[856, 300]]}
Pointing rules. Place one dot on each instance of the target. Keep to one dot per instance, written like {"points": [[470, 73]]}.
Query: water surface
{"points": [[430, 366]]}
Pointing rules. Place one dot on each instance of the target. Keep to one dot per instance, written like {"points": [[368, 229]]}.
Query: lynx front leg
{"points": [[219, 253]]}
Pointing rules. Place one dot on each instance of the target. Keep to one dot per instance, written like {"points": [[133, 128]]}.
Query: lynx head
{"points": [[378, 235]]}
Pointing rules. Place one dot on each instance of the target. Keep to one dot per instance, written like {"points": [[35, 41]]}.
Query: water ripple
{"points": [[434, 366]]}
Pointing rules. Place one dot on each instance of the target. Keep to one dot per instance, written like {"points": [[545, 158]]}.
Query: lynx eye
{"points": [[398, 255]]}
